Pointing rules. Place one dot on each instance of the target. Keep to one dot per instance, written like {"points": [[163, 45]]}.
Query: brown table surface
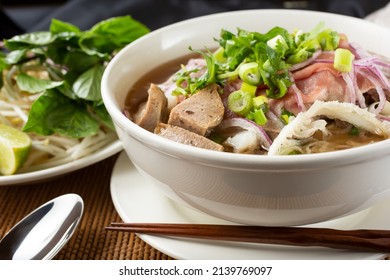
{"points": [[90, 240]]}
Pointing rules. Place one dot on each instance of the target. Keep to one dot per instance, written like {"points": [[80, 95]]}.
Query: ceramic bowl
{"points": [[248, 189]]}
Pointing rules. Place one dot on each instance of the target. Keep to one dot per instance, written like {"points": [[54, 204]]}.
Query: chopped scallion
{"points": [[249, 73], [343, 60], [240, 102], [259, 117], [260, 101], [249, 88]]}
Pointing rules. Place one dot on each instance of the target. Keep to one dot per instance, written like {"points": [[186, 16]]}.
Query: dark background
{"points": [[27, 16]]}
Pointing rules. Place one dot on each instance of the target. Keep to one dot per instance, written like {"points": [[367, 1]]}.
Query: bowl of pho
{"points": [[262, 117]]}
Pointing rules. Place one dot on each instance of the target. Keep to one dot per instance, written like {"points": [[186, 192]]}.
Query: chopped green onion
{"points": [[343, 60], [249, 73], [260, 58], [328, 39], [285, 118], [260, 101], [240, 102], [278, 39], [248, 88], [354, 131], [301, 55], [259, 117]]}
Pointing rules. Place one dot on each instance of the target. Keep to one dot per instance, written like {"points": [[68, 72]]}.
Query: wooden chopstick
{"points": [[357, 240]]}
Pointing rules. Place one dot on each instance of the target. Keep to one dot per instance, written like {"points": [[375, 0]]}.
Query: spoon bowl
{"points": [[42, 233]]}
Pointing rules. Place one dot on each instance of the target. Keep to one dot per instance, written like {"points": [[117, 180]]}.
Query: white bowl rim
{"points": [[282, 162]]}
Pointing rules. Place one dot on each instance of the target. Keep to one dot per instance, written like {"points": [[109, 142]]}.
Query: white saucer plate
{"points": [[137, 200]]}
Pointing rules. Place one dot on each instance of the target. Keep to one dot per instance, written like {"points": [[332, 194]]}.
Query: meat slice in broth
{"points": [[183, 136], [199, 113], [152, 112]]}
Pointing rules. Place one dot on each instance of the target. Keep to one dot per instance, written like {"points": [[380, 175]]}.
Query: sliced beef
{"points": [[323, 85], [308, 71], [183, 136], [153, 111], [199, 113]]}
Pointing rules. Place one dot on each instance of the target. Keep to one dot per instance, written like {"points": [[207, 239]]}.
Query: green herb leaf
{"points": [[29, 40], [104, 117], [58, 26], [34, 85], [111, 35], [16, 56], [87, 85], [71, 102], [273, 52], [54, 113]]}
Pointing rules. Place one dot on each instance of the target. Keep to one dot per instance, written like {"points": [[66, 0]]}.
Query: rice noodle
{"points": [[302, 128]]}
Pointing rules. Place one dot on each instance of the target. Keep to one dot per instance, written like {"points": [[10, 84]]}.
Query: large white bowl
{"points": [[249, 189]]}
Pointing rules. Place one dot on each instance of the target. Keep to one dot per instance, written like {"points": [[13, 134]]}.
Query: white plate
{"points": [[137, 200], [49, 173]]}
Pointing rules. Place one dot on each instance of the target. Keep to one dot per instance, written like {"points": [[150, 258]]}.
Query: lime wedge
{"points": [[14, 148]]}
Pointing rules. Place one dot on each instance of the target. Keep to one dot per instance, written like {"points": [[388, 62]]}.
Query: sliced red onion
{"points": [[350, 87], [298, 95], [246, 124], [381, 76], [358, 51], [358, 92], [374, 80]]}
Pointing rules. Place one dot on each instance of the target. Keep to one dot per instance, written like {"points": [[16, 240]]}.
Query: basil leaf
{"points": [[87, 85], [34, 85], [74, 60], [73, 121], [79, 61], [58, 26], [66, 90], [3, 61], [29, 40], [41, 109], [110, 35], [54, 113], [16, 56]]}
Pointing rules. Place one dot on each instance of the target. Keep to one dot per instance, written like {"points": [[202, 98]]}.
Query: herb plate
{"points": [[50, 173]]}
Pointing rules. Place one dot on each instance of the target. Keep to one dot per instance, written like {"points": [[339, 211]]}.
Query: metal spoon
{"points": [[42, 233]]}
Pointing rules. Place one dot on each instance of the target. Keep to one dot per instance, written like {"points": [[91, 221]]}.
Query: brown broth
{"points": [[139, 91], [341, 139]]}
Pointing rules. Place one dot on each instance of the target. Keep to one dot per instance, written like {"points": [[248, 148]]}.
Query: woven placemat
{"points": [[90, 240]]}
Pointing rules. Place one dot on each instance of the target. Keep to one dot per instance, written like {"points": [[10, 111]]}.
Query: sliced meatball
{"points": [[153, 111], [183, 136], [199, 113]]}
